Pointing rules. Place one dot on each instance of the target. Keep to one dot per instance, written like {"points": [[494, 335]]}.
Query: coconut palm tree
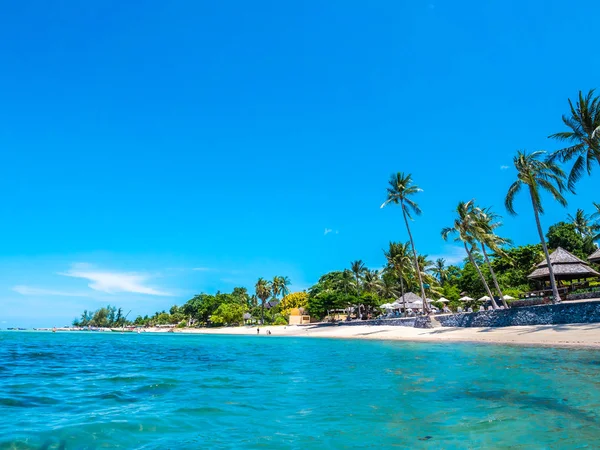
{"points": [[583, 136], [358, 268], [583, 224], [440, 271], [399, 192], [399, 260], [284, 283], [263, 291], [538, 175], [466, 228], [372, 282], [487, 222]]}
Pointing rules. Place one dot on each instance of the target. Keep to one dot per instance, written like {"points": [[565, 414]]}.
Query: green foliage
{"points": [[565, 235], [228, 314], [280, 320], [451, 292]]}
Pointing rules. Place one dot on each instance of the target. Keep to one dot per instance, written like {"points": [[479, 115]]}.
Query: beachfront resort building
{"points": [[567, 267]]}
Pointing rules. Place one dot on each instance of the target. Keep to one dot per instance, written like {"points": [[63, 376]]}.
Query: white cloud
{"points": [[30, 290], [202, 269], [503, 167], [114, 282], [327, 231], [452, 254]]}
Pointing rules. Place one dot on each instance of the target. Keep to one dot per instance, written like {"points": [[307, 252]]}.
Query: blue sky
{"points": [[150, 153]]}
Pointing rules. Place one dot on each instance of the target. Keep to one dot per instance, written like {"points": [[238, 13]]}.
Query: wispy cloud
{"points": [[452, 254], [503, 167], [35, 291], [202, 269], [327, 231], [114, 282]]}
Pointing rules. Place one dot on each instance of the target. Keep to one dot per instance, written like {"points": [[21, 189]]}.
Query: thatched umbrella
{"points": [[485, 298], [508, 297], [466, 298], [443, 300]]}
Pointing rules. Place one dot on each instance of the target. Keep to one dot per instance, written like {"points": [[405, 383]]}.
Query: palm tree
{"points": [[440, 271], [358, 268], [345, 283], [538, 175], [583, 136], [465, 229], [263, 291], [399, 260], [583, 224], [275, 287], [372, 282], [284, 283], [399, 192], [485, 234]]}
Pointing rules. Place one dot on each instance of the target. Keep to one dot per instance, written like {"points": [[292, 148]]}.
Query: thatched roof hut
{"points": [[566, 267], [595, 257]]}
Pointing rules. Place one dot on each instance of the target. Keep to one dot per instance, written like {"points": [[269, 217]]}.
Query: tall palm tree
{"points": [[399, 260], [465, 228], [284, 283], [345, 284], [358, 268], [583, 136], [538, 175], [487, 223], [399, 192], [275, 287], [263, 291], [440, 271]]}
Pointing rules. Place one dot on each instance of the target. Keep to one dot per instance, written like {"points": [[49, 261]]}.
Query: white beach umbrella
{"points": [[443, 300], [466, 298], [508, 297], [485, 298]]}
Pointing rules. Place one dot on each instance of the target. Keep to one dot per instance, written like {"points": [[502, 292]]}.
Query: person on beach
{"points": [[258, 331]]}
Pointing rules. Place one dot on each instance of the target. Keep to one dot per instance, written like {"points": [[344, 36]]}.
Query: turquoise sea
{"points": [[109, 390]]}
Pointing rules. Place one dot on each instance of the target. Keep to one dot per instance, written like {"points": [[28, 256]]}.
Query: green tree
{"points": [[538, 176], [484, 232], [398, 258], [263, 291], [399, 192], [466, 228], [565, 235], [358, 268], [440, 271], [228, 314], [583, 136]]}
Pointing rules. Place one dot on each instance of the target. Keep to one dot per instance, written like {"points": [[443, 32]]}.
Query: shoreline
{"points": [[575, 335], [580, 335]]}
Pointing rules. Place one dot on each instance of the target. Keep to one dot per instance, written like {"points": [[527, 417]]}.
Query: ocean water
{"points": [[109, 390]]}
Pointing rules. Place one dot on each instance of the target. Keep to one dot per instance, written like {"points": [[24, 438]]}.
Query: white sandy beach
{"points": [[571, 335]]}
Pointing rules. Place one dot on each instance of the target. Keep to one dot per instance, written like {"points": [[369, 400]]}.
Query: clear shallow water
{"points": [[109, 390]]}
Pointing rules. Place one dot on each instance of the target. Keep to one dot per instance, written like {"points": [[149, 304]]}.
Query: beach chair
{"points": [[459, 309], [490, 308], [481, 308], [470, 309]]}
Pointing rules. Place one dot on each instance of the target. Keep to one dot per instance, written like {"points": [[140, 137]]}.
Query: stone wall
{"points": [[585, 312]]}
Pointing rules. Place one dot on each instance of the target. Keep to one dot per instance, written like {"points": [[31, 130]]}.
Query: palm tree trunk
{"points": [[485, 285], [555, 293], [494, 279], [357, 297], [262, 312], [402, 291], [412, 244]]}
